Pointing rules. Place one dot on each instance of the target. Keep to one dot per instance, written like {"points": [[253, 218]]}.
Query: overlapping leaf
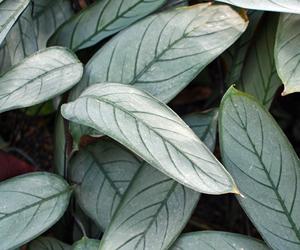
{"points": [[47, 243], [21, 40], [29, 205], [292, 6], [238, 50], [38, 78], [265, 166], [100, 20], [86, 244], [104, 170], [4, 58], [259, 76], [287, 53], [9, 13], [164, 52], [147, 126], [217, 240], [48, 16]]}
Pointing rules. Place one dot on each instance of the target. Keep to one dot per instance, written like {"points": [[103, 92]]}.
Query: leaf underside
{"points": [[47, 243]]}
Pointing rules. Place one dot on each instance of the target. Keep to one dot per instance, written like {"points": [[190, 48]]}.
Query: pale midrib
{"points": [[36, 203]]}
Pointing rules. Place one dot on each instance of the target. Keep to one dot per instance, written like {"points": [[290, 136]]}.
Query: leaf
{"points": [[217, 240], [103, 172], [4, 58], [204, 126], [152, 213], [259, 76], [287, 54], [174, 4], [86, 244], [146, 126], [238, 50], [193, 37], [292, 6], [47, 243], [100, 20], [10, 10], [11, 166], [265, 166], [29, 205], [139, 56], [21, 40], [48, 17], [39, 78]]}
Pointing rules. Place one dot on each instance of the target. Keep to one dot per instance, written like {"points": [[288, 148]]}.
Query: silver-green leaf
{"points": [[38, 78], [265, 167], [48, 17], [21, 40], [48, 243], [86, 244], [9, 13], [102, 172], [217, 240], [147, 126], [4, 58], [259, 77], [100, 20], [291, 6], [29, 205], [152, 213], [164, 52], [287, 54]]}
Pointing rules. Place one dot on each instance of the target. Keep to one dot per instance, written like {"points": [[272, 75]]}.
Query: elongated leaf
{"points": [[292, 6], [174, 4], [38, 78], [100, 20], [238, 50], [86, 244], [164, 52], [21, 40], [287, 54], [102, 172], [29, 205], [48, 16], [9, 13], [153, 131], [217, 240], [259, 76], [265, 166], [47, 243], [152, 213]]}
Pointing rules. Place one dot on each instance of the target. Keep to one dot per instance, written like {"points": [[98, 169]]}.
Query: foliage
{"points": [[136, 169]]}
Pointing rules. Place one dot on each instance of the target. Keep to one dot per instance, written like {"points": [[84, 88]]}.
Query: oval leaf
{"points": [[152, 213], [9, 13], [292, 6], [100, 20], [39, 78], [265, 166], [86, 244], [286, 52], [259, 77], [217, 240], [47, 243], [138, 56], [29, 205], [103, 172], [153, 131]]}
